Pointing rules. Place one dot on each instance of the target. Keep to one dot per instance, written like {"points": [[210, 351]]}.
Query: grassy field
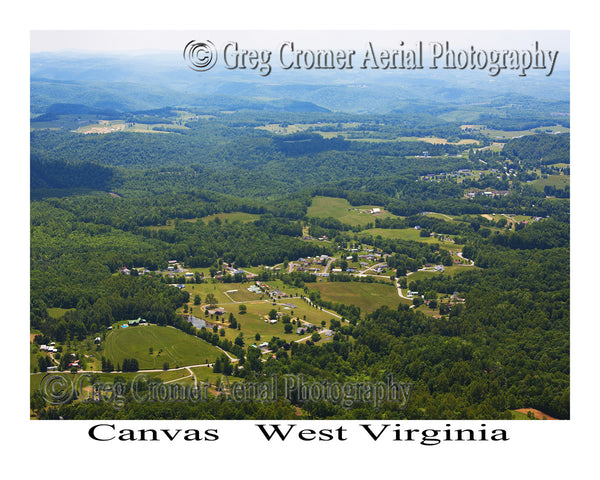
{"points": [[222, 292], [300, 127], [340, 208], [165, 376], [233, 217], [507, 134], [178, 348], [494, 147], [258, 306], [206, 375], [408, 234], [57, 312], [447, 271], [225, 217], [109, 126], [438, 141], [253, 321], [442, 216], [357, 136], [558, 181], [367, 296]]}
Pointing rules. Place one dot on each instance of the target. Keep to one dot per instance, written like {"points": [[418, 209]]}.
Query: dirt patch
{"points": [[536, 414]]}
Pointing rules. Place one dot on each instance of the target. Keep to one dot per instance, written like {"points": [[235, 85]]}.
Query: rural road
{"points": [[363, 273], [331, 260], [323, 310], [471, 262]]}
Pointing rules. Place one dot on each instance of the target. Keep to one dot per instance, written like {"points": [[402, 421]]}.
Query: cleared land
{"points": [[367, 296], [521, 413], [409, 234], [225, 217], [285, 129], [557, 181], [507, 134], [233, 217], [447, 271], [258, 307], [105, 126], [56, 312], [340, 208], [178, 348], [165, 376]]}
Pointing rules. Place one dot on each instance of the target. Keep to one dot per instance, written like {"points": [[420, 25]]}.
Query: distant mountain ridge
{"points": [[148, 82]]}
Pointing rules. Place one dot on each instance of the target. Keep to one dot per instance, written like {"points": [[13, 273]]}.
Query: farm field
{"points": [[178, 348], [451, 271], [226, 217], [165, 376], [409, 234], [442, 216], [234, 292], [220, 291], [494, 147], [106, 126], [367, 296], [57, 312], [557, 181], [206, 375], [521, 414], [253, 321], [357, 136], [438, 141], [340, 208], [284, 129], [508, 134], [233, 217]]}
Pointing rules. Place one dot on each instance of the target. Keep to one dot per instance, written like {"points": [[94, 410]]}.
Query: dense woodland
{"points": [[98, 200]]}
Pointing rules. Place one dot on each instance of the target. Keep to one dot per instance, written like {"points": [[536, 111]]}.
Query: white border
{"points": [[546, 449]]}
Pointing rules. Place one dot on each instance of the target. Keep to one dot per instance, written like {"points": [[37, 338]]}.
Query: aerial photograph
{"points": [[299, 225]]}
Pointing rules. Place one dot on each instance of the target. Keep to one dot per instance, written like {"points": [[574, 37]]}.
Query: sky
{"points": [[172, 42], [168, 40]]}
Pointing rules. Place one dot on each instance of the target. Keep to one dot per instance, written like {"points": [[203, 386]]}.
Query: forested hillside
{"points": [[295, 217]]}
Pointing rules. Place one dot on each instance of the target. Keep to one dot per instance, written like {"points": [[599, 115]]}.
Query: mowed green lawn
{"points": [[226, 293], [253, 321], [223, 292], [451, 271], [557, 181], [58, 313], [367, 296], [409, 234], [257, 307], [165, 376], [341, 209], [178, 348]]}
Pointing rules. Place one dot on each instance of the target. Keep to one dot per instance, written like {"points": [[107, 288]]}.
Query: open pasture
{"points": [[168, 345], [340, 209]]}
